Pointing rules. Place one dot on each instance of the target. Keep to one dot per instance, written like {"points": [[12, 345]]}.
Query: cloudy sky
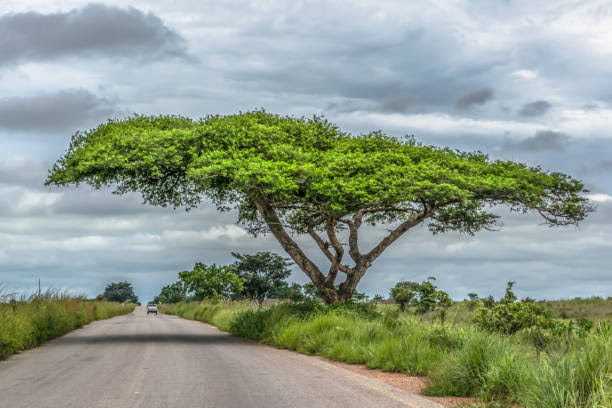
{"points": [[521, 80]]}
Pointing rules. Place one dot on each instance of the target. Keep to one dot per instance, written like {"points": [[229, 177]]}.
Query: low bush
{"points": [[249, 324], [423, 296], [509, 318], [532, 322]]}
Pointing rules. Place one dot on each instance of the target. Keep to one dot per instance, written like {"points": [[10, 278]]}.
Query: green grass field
{"points": [[458, 358], [27, 323], [594, 308]]}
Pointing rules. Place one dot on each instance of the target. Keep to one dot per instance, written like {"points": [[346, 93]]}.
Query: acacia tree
{"points": [[289, 176]]}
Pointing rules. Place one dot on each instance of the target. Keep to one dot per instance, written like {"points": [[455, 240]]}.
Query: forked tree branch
{"points": [[339, 249], [395, 234], [333, 239], [322, 245], [288, 244], [354, 237]]}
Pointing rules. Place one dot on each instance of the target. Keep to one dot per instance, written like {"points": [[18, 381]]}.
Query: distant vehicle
{"points": [[151, 308]]}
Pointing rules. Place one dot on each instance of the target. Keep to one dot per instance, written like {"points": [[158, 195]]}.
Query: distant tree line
{"points": [[254, 277]]}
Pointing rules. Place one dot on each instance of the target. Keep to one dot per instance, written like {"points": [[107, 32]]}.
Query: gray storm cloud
{"points": [[477, 97], [94, 30], [537, 108], [543, 140], [21, 171], [52, 112]]}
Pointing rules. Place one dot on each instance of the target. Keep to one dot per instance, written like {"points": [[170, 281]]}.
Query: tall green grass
{"points": [[459, 359], [220, 314], [28, 323]]}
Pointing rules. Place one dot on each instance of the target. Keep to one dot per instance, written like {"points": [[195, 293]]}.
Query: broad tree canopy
{"points": [[211, 281], [306, 176], [120, 292]]}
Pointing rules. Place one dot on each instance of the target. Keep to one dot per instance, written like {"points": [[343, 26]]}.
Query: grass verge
{"points": [[27, 324], [459, 359]]}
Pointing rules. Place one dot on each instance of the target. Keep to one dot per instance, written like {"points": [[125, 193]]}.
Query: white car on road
{"points": [[151, 308]]}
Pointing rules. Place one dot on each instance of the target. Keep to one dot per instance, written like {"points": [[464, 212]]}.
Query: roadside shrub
{"points": [[362, 309], [473, 302], [509, 316], [249, 324], [301, 309], [423, 296], [390, 318]]}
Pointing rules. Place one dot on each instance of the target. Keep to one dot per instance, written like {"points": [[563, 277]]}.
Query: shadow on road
{"points": [[152, 338]]}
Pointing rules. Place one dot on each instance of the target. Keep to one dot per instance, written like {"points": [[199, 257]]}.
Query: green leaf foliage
{"points": [[173, 293], [263, 274], [508, 316], [423, 296], [120, 292], [308, 167], [212, 281], [403, 292], [311, 292], [295, 293], [284, 291]]}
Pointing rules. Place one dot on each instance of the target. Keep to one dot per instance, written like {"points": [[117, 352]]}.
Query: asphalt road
{"points": [[164, 361]]}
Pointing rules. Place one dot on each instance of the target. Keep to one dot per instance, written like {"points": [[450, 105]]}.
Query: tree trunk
{"points": [[328, 293], [325, 284], [338, 294]]}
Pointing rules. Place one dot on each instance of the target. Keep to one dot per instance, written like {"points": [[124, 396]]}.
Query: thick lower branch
{"points": [[322, 245], [336, 261], [354, 237], [331, 234], [288, 244], [395, 234], [332, 274]]}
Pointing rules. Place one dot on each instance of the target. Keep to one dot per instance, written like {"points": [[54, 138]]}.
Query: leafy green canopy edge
{"points": [[306, 176]]}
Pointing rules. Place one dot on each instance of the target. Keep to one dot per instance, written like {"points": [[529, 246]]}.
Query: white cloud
{"points": [[231, 232], [85, 243], [30, 200], [600, 198], [524, 74], [439, 123]]}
